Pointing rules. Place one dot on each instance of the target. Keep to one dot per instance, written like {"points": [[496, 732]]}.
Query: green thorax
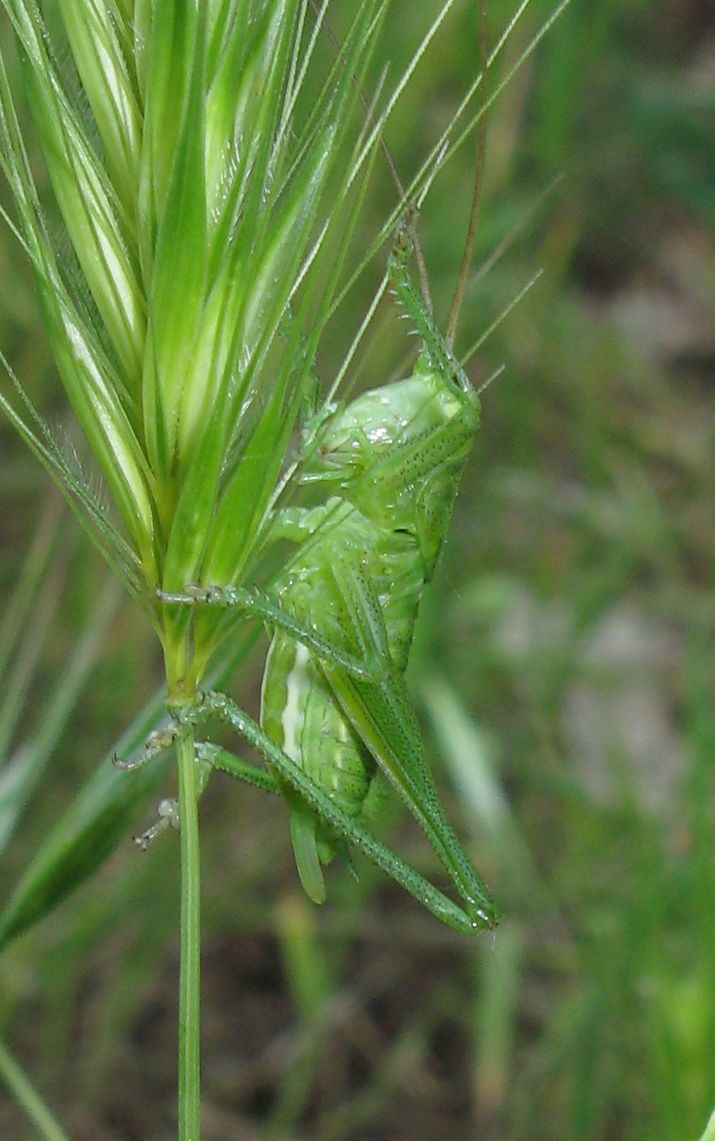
{"points": [[397, 454], [389, 466]]}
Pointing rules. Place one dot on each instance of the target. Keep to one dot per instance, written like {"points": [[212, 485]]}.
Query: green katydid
{"points": [[335, 710]]}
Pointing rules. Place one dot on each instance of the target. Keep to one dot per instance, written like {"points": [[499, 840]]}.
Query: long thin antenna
{"points": [[466, 265]]}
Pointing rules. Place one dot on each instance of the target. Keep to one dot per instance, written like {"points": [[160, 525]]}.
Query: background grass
{"points": [[564, 668]]}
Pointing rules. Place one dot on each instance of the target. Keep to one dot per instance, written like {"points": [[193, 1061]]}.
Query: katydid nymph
{"points": [[390, 464], [336, 717]]}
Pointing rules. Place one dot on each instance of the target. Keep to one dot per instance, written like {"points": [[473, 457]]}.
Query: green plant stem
{"points": [[190, 969], [27, 1096]]}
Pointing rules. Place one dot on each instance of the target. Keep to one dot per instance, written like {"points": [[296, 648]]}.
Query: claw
{"points": [[157, 742], [168, 818]]}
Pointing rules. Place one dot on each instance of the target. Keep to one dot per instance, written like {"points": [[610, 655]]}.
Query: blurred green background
{"points": [[563, 669]]}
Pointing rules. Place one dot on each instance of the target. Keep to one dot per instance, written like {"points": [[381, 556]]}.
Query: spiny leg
{"points": [[262, 606], [209, 756], [167, 817], [213, 704], [382, 717], [157, 742], [168, 809], [219, 758], [445, 909]]}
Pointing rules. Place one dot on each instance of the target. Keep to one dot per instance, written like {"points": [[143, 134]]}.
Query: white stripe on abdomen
{"points": [[293, 715]]}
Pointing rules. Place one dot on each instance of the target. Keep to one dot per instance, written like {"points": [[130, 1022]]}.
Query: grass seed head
{"points": [[189, 185]]}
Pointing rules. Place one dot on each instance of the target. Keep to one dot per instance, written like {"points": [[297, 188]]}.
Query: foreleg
{"points": [[259, 605]]}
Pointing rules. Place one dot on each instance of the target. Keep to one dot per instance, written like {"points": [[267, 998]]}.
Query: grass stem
{"points": [[190, 968]]}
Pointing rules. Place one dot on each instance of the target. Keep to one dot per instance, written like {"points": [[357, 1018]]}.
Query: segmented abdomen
{"points": [[299, 710], [300, 714]]}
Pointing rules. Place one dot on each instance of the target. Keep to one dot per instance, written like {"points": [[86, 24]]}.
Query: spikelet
{"points": [[189, 186]]}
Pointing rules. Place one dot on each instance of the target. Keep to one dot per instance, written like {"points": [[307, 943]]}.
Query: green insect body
{"points": [[301, 716], [390, 463]]}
